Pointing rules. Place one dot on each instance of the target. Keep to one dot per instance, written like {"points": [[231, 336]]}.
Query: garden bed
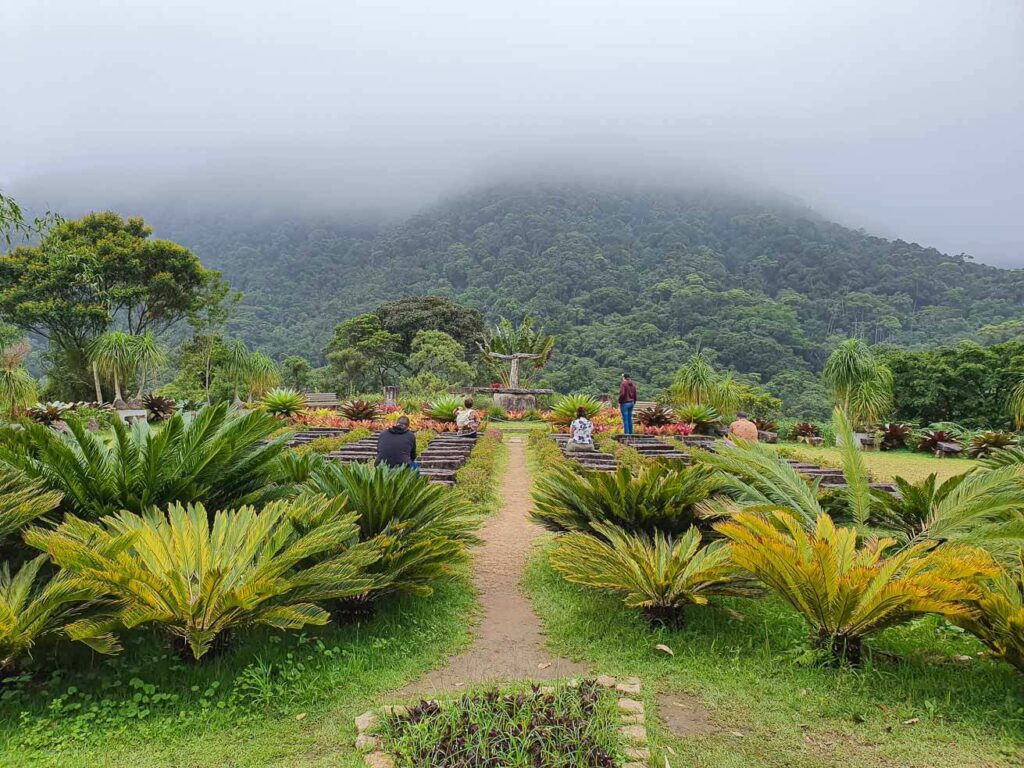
{"points": [[581, 724]]}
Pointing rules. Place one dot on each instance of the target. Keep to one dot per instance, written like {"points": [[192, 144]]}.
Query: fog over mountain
{"points": [[905, 117]]}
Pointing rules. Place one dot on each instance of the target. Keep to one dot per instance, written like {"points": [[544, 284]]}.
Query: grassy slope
{"points": [[277, 699], [768, 705], [885, 465], [767, 709]]}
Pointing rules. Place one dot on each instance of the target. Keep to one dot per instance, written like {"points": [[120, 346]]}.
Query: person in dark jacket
{"points": [[396, 447], [627, 399]]}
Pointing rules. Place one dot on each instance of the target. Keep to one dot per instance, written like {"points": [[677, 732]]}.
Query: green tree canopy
{"points": [[437, 362], [410, 315], [362, 354]]}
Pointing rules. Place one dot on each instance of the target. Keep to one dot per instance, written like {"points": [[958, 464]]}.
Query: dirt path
{"points": [[509, 644]]}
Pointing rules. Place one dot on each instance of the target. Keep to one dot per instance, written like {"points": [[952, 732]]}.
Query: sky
{"points": [[904, 117]]}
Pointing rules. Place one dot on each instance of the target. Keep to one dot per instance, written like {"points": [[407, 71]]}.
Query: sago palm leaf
{"points": [[421, 529], [32, 609], [659, 574], [998, 619], [846, 590], [658, 498], [758, 477], [199, 578], [217, 457], [22, 501], [855, 472]]}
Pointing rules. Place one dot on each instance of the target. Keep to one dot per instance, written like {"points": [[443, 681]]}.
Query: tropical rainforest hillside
{"points": [[626, 280]]}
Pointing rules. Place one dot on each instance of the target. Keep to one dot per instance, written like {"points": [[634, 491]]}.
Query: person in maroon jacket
{"points": [[627, 399]]}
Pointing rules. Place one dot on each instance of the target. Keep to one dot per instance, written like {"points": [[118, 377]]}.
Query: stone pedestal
{"points": [[514, 402]]}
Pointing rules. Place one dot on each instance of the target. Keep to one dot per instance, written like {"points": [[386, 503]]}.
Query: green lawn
{"points": [[284, 699], [764, 703], [884, 465]]}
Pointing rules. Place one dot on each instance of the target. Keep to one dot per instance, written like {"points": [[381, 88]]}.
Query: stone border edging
{"points": [[632, 731]]}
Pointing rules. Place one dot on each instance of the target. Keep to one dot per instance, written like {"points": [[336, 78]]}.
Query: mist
{"points": [[902, 117]]}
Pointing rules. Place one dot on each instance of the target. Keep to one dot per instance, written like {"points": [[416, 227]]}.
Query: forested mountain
{"points": [[626, 280]]}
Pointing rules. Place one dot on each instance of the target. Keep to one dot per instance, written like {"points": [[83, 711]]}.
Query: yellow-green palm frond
{"points": [[997, 618], [200, 576], [847, 588], [658, 573], [22, 501], [33, 608]]}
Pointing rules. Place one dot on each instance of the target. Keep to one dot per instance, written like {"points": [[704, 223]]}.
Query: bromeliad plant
{"points": [[443, 408], [359, 410], [283, 403], [421, 529], [930, 439], [218, 457], [893, 435], [564, 411], [656, 416], [846, 589], [661, 575], [201, 575], [657, 499], [983, 444], [158, 407], [704, 418]]}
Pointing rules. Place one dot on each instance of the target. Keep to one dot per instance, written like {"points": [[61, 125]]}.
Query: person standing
{"points": [[627, 399]]}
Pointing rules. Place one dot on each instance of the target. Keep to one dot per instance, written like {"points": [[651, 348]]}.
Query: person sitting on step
{"points": [[396, 447], [466, 421], [581, 433]]}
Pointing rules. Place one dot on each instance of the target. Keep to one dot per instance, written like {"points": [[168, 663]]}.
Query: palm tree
{"points": [[114, 354], [149, 356], [1017, 404], [698, 382], [509, 339], [252, 371], [860, 383], [17, 387]]}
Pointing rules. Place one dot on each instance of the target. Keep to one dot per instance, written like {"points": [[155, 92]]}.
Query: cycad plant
{"points": [[22, 501], [283, 402], [658, 498], [200, 578], [660, 574], [860, 383], [566, 407], [34, 608], [846, 589], [998, 616], [217, 456], [421, 529]]}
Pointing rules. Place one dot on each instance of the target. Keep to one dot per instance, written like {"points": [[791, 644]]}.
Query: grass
{"points": [[564, 727], [762, 700], [884, 465], [274, 699]]}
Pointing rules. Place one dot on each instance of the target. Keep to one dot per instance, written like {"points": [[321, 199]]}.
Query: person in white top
{"points": [[581, 433], [466, 421]]}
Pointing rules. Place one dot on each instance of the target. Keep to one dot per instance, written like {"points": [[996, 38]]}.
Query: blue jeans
{"points": [[627, 417]]}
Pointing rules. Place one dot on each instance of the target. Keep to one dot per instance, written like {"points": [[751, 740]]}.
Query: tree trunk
{"points": [[845, 649], [142, 383], [117, 389], [96, 381]]}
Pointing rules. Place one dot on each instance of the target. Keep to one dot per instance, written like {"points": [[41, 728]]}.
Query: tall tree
{"points": [[411, 314], [362, 353], [100, 272]]}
